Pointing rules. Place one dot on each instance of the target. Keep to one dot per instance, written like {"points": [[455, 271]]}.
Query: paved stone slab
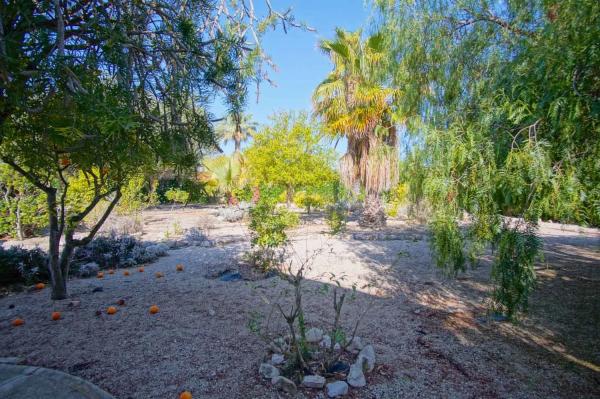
{"points": [[17, 382]]}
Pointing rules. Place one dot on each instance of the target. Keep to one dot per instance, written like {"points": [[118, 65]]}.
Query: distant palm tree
{"points": [[238, 128], [354, 102]]}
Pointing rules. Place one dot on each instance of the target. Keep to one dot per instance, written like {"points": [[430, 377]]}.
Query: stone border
{"points": [[17, 382]]}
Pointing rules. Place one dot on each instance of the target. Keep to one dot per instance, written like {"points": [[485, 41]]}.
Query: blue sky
{"points": [[300, 64]]}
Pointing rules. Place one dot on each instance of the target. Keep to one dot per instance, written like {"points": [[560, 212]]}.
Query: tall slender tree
{"points": [[355, 102], [237, 128]]}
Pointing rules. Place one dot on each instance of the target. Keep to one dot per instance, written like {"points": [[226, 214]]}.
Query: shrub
{"points": [[176, 195], [268, 224], [309, 200], [114, 251], [512, 272], [337, 217], [397, 197], [22, 266], [198, 191]]}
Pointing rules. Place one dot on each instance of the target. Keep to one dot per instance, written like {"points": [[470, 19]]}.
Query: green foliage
{"points": [[22, 205], [227, 172], [269, 222], [176, 195], [502, 113], [397, 197], [136, 195], [93, 97], [309, 200], [22, 266], [198, 191], [337, 216], [513, 272], [289, 154]]}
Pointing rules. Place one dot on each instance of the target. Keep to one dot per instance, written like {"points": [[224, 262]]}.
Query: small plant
{"points": [[177, 195], [268, 224], [309, 201], [337, 218], [308, 351], [513, 274], [177, 229]]}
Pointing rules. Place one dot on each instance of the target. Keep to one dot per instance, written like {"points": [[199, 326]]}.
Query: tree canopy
{"points": [[355, 102], [503, 98], [290, 154], [108, 89]]}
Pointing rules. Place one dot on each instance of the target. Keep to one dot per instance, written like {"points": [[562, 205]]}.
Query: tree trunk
{"points": [[58, 280], [289, 195], [373, 214], [237, 139], [18, 223]]}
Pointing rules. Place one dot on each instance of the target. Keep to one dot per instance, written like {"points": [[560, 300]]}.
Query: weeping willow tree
{"points": [[505, 98], [354, 102]]}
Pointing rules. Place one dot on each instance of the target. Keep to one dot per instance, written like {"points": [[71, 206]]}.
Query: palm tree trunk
{"points": [[373, 215]]}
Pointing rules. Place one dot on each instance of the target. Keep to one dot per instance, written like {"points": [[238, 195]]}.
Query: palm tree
{"points": [[227, 171], [354, 102], [236, 127]]}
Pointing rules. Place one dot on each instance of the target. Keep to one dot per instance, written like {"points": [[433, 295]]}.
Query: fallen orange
{"points": [[111, 310], [141, 269], [17, 322], [100, 275], [40, 286], [179, 268], [126, 273], [55, 316], [153, 309], [185, 395]]}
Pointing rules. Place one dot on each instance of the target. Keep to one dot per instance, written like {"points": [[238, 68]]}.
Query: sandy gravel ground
{"points": [[430, 333]]}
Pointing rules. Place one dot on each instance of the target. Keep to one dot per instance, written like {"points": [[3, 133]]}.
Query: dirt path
{"points": [[429, 332]]}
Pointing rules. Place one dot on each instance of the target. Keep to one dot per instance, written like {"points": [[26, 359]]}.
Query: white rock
{"points": [[366, 358], [284, 384], [313, 381], [356, 377], [278, 345], [325, 342], [356, 345], [268, 370], [277, 359], [314, 335], [337, 347], [338, 388]]}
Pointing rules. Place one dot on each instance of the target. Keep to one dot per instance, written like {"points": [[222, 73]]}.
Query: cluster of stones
{"points": [[364, 362]]}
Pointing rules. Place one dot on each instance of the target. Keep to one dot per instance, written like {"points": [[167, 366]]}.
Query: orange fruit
{"points": [[126, 273], [141, 269], [153, 309], [100, 275], [55, 316], [40, 286], [17, 322], [111, 271], [159, 274], [179, 268], [111, 310], [185, 395]]}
